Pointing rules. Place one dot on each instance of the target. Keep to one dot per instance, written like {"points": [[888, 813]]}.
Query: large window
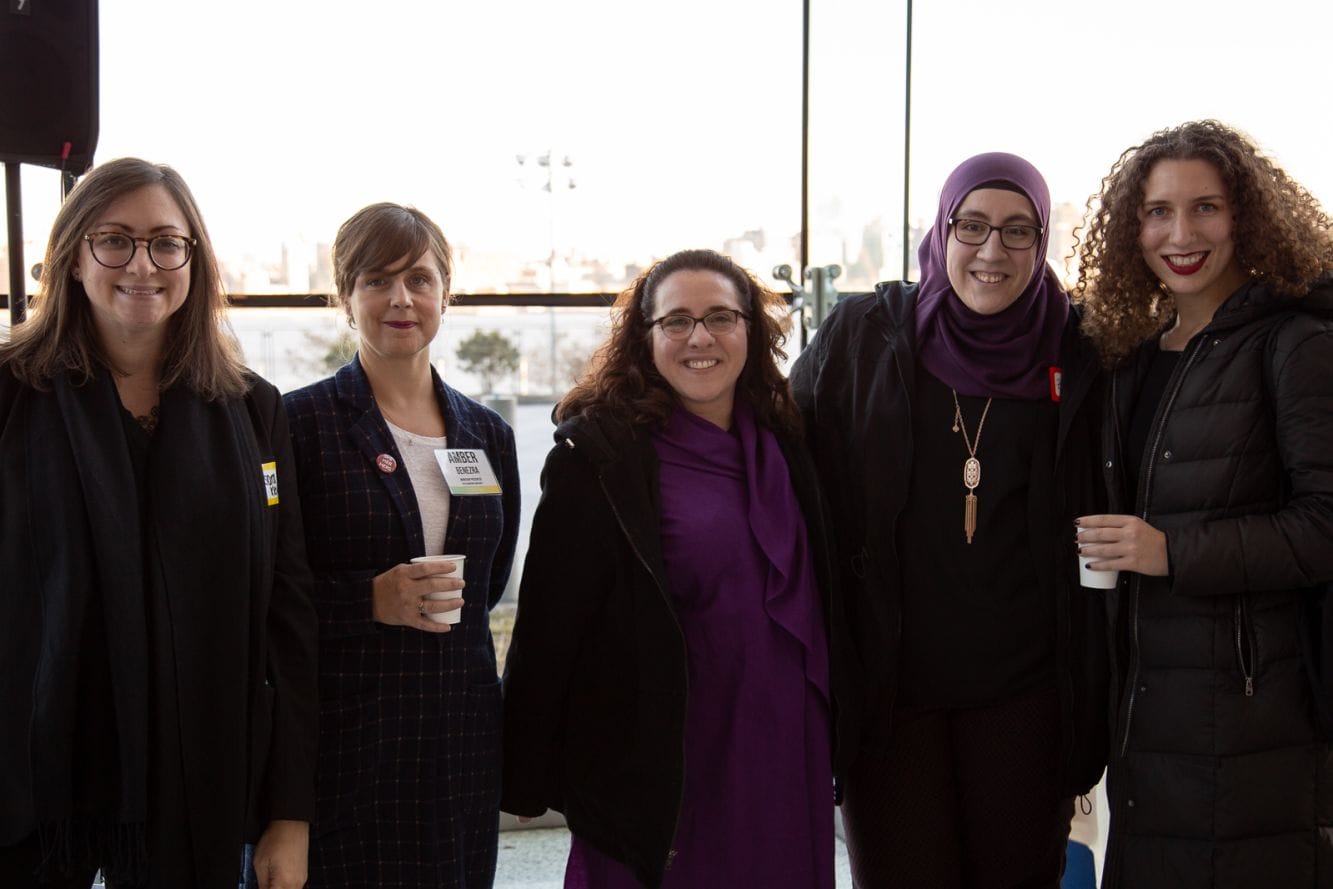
{"points": [[1067, 85], [561, 146], [564, 146]]}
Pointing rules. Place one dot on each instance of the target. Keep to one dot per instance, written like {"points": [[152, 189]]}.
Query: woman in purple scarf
{"points": [[982, 718], [672, 678]]}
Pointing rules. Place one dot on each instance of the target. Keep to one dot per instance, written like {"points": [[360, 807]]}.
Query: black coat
{"points": [[854, 384], [239, 630], [409, 735], [596, 674], [1218, 777]]}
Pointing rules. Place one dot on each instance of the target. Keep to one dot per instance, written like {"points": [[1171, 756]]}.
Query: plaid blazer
{"points": [[409, 758]]}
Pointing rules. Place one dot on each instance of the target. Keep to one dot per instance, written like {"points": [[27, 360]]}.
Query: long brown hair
{"points": [[622, 380], [61, 336], [1280, 232]]}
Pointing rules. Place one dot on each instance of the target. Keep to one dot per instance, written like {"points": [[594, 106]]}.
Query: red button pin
{"points": [[386, 463]]}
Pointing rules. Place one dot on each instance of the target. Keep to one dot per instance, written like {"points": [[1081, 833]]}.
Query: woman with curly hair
{"points": [[1204, 276], [671, 681]]}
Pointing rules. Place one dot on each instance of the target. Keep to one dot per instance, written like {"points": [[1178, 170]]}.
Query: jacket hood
{"points": [[599, 438], [898, 299], [1256, 298]]}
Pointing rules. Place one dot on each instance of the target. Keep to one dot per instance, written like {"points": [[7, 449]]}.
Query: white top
{"points": [[428, 482]]}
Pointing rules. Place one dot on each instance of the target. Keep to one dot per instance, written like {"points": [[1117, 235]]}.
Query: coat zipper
{"points": [[657, 581], [1138, 578], [1247, 666]]}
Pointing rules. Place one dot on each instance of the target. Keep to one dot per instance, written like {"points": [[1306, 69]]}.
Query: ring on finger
{"points": [[421, 605]]}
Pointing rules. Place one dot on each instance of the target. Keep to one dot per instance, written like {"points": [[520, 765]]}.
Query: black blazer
{"points": [[410, 721]]}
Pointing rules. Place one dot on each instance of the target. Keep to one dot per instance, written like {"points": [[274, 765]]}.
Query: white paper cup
{"points": [[1095, 580], [445, 617]]}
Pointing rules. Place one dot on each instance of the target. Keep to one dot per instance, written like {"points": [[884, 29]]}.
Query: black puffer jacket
{"points": [[854, 384], [1218, 776]]}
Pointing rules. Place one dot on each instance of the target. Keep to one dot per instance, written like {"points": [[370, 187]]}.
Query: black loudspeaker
{"points": [[48, 83]]}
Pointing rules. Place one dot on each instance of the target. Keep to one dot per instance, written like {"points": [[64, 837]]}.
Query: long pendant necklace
{"points": [[971, 467]]}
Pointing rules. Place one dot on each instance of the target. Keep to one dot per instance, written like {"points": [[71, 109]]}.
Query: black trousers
{"points": [[961, 799]]}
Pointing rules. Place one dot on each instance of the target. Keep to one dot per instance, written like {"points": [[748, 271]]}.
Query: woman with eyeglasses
{"points": [[675, 670], [409, 751], [954, 422], [157, 637], [1205, 271]]}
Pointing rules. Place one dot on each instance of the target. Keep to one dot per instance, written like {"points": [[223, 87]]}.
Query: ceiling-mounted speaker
{"points": [[48, 83]]}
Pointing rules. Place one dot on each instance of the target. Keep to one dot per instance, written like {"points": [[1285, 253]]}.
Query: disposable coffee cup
{"points": [[1095, 580], [445, 617]]}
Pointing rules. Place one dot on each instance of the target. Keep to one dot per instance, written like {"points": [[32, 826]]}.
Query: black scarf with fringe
{"points": [[148, 544]]}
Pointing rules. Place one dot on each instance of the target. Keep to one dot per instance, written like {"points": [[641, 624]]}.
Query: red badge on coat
{"points": [[386, 463], [1057, 378]]}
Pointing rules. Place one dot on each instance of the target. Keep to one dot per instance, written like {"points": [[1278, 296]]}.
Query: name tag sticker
{"points": [[467, 472], [270, 471]]}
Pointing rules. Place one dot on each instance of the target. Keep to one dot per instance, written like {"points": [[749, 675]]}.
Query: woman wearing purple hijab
{"points": [[673, 679], [983, 664]]}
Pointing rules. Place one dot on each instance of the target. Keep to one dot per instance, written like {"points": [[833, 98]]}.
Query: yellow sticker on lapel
{"points": [[271, 482]]}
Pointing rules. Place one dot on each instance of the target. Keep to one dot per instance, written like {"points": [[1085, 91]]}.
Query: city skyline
{"points": [[683, 122]]}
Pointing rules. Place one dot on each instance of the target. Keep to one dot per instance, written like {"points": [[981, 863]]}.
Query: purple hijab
{"points": [[1008, 354]]}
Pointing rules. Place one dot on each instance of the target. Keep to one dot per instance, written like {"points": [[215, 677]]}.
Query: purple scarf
{"points": [[1007, 354]]}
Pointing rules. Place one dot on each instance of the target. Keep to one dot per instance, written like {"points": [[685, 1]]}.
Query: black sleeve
{"points": [[567, 573]]}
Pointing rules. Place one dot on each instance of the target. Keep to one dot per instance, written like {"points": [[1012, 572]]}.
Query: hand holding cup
{"points": [[420, 594], [439, 605], [1119, 543]]}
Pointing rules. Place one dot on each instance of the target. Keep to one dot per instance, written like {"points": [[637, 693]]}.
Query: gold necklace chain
{"points": [[971, 466]]}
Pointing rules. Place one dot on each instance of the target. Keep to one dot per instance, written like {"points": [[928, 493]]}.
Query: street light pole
{"points": [[547, 161]]}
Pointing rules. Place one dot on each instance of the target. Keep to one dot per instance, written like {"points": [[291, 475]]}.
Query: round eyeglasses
{"points": [[681, 327], [114, 250], [974, 233]]}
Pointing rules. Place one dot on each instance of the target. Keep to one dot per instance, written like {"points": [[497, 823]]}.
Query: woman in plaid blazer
{"points": [[409, 758]]}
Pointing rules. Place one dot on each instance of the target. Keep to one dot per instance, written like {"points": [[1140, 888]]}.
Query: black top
{"points": [[1145, 408], [976, 627]]}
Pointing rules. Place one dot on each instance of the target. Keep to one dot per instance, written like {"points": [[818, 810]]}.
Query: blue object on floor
{"points": [[1080, 869], [248, 878]]}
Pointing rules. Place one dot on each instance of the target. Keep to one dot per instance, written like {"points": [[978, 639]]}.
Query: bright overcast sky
{"points": [[682, 118]]}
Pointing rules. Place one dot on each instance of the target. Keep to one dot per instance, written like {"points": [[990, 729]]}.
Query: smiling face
{"points": [[1185, 226], [703, 368], [397, 310], [138, 298], [989, 277]]}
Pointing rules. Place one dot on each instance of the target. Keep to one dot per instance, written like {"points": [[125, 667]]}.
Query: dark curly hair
{"points": [[622, 381], [1281, 234]]}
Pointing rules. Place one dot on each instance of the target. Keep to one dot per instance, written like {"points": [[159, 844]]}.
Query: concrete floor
{"points": [[535, 859]]}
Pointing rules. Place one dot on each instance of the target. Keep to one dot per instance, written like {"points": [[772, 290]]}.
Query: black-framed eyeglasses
{"points": [[114, 250], [974, 233], [681, 327]]}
